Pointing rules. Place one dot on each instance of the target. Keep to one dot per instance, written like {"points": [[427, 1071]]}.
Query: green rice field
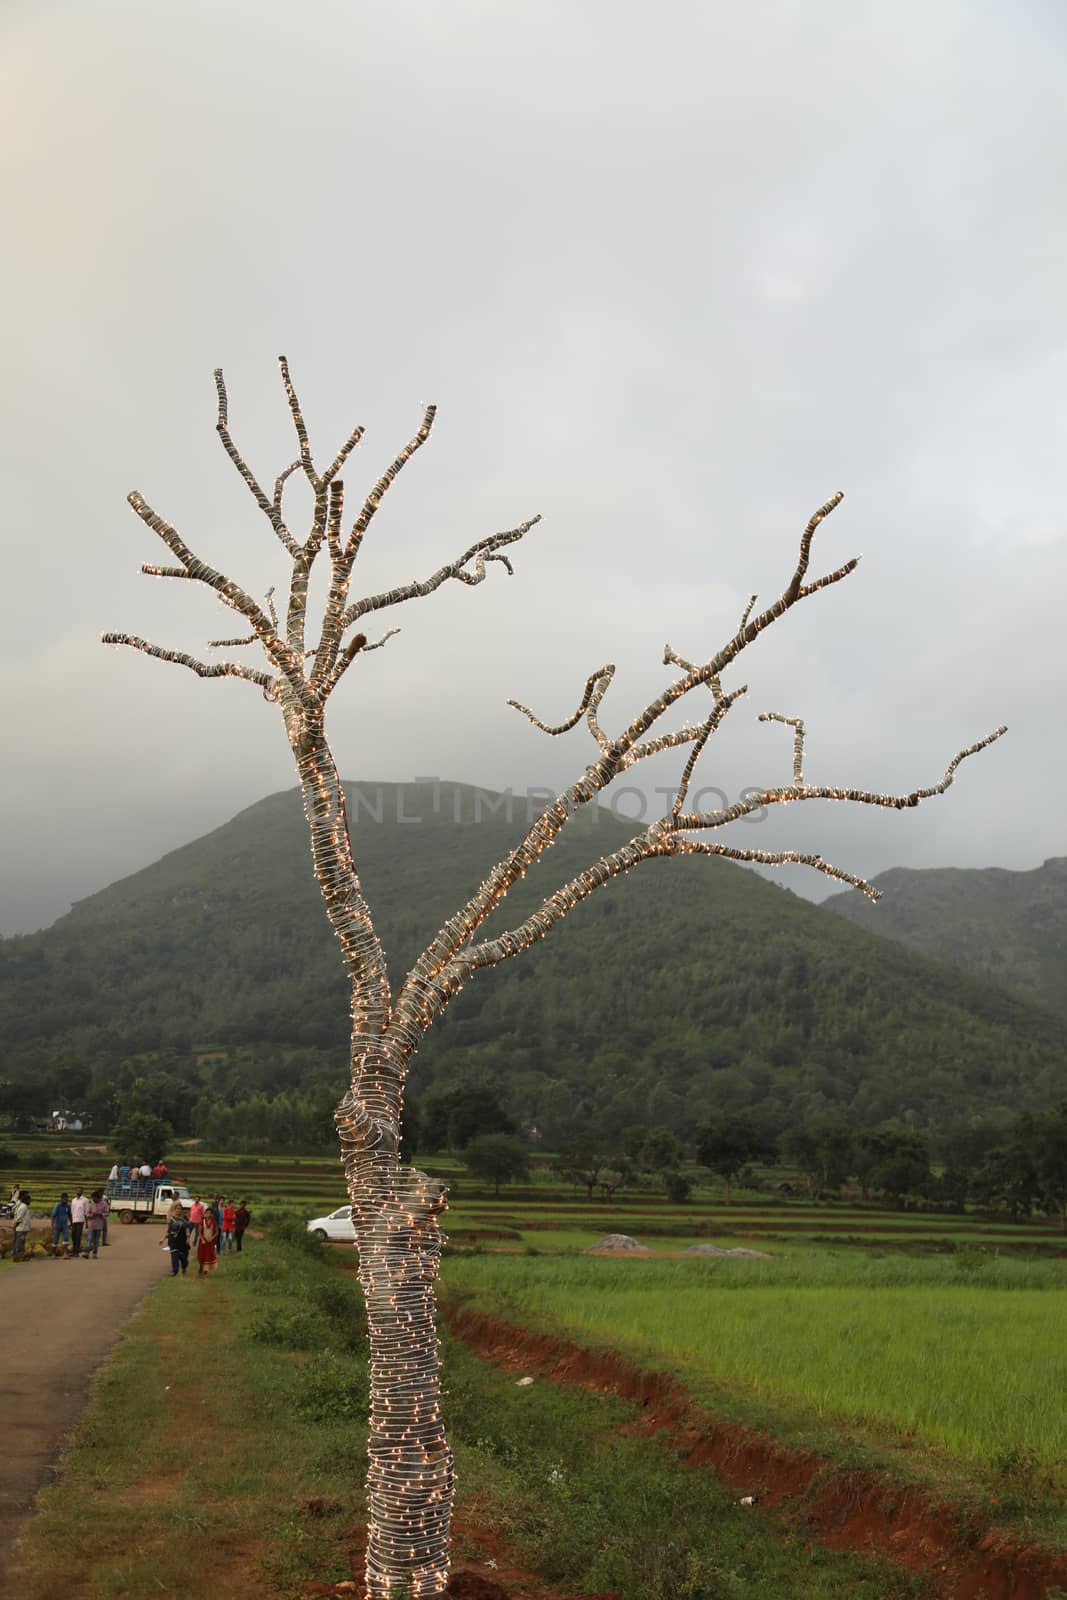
{"points": [[966, 1355]]}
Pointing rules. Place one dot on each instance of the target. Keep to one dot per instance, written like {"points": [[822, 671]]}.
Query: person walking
{"points": [[107, 1213], [22, 1221], [61, 1224], [242, 1217], [206, 1247], [95, 1216], [229, 1222], [196, 1217], [178, 1240], [78, 1207]]}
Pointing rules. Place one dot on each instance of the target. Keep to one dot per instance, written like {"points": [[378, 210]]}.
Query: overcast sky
{"points": [[672, 275]]}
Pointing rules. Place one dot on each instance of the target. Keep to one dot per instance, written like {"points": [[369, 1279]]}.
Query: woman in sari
{"points": [[206, 1246]]}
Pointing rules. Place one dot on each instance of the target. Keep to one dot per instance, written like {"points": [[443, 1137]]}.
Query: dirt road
{"points": [[58, 1319]]}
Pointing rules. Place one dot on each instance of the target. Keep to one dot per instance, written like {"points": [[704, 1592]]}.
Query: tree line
{"points": [[1015, 1163], [1018, 1165]]}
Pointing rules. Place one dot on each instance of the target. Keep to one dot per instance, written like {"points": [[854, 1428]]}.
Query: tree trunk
{"points": [[395, 1213], [410, 1477]]}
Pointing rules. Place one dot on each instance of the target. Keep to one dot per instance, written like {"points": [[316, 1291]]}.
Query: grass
{"points": [[962, 1357], [222, 1457]]}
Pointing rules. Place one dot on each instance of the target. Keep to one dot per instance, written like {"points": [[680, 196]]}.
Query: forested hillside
{"points": [[689, 988], [1008, 926]]}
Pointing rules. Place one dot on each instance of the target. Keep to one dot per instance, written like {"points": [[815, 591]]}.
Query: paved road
{"points": [[57, 1321]]}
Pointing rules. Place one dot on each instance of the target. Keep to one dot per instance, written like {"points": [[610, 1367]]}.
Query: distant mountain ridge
{"points": [[989, 921], [686, 988]]}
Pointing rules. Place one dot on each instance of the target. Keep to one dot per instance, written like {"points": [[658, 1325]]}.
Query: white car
{"points": [[338, 1225]]}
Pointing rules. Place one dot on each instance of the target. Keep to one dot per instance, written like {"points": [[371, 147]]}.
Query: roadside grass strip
{"points": [[222, 1453], [959, 1364]]}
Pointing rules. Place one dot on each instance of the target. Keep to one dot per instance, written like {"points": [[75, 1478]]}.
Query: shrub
{"points": [[970, 1260], [292, 1330], [331, 1389], [677, 1187], [289, 1230], [344, 1309]]}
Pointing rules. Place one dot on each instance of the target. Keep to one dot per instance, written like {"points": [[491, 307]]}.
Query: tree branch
{"points": [[773, 858], [356, 646], [280, 481], [223, 669], [805, 546], [666, 837], [377, 644], [655, 747], [830, 577], [619, 753], [229, 592], [596, 686], [301, 431], [485, 550], [250, 638], [377, 494], [722, 706], [798, 742], [866, 797], [342, 455], [656, 841], [340, 570], [271, 510]]}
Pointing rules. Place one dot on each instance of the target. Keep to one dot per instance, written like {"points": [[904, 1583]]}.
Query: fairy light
{"points": [[396, 1210]]}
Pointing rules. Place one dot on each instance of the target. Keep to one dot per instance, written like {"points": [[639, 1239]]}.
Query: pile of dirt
{"points": [[717, 1250], [964, 1557], [616, 1241]]}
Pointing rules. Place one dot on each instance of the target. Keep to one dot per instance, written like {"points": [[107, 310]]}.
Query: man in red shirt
{"points": [[229, 1220], [196, 1217]]}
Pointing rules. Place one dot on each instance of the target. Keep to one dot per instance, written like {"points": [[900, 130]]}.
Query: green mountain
{"points": [[1010, 927], [688, 988]]}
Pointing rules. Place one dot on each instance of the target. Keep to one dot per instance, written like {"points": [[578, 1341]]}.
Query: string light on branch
{"points": [[798, 742]]}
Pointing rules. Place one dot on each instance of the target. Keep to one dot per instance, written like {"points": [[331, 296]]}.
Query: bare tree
{"points": [[396, 1209]]}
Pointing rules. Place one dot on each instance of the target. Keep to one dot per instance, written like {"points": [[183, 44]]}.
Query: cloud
{"points": [[669, 286]]}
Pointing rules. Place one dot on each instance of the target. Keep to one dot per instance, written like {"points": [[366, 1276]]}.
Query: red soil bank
{"points": [[966, 1558]]}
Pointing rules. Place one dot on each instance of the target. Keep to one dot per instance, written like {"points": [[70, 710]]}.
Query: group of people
{"points": [[72, 1220], [213, 1228], [79, 1227], [137, 1177]]}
